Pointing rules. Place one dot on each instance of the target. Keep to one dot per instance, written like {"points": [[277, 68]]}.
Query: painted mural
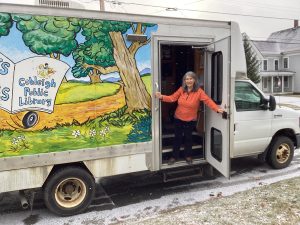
{"points": [[69, 83]]}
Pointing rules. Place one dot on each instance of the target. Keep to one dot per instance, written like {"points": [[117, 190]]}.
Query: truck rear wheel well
{"points": [[60, 166]]}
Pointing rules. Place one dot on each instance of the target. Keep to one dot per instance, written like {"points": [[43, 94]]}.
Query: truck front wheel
{"points": [[281, 152], [69, 191]]}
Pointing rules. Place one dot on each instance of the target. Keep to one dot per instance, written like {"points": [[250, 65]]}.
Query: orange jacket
{"points": [[188, 103]]}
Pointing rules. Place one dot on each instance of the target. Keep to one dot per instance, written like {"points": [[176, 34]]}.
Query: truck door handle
{"points": [[225, 115], [156, 85]]}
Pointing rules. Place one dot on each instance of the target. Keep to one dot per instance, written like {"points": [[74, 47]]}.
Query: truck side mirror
{"points": [[272, 103]]}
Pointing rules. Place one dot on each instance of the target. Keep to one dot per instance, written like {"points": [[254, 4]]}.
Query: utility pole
{"points": [[102, 8]]}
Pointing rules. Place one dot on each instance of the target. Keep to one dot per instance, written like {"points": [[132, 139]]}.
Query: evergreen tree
{"points": [[252, 62]]}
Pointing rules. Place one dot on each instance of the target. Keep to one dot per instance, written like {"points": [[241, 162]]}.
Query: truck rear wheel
{"points": [[281, 152], [69, 191]]}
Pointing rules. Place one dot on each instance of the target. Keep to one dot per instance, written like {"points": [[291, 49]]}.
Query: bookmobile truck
{"points": [[76, 100]]}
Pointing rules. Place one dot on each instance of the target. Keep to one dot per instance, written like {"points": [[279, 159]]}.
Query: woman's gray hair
{"points": [[194, 76]]}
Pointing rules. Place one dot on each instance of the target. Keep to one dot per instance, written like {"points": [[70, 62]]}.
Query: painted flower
{"points": [[76, 133], [102, 133], [22, 137], [106, 129], [15, 141], [93, 133]]}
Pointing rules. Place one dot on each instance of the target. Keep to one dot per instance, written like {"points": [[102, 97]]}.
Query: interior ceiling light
{"points": [[171, 9]]}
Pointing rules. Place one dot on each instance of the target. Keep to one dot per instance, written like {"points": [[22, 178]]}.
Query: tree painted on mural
{"points": [[94, 57], [136, 94], [49, 35], [5, 24], [123, 60]]}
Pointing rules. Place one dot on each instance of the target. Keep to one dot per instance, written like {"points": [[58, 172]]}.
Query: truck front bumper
{"points": [[297, 140]]}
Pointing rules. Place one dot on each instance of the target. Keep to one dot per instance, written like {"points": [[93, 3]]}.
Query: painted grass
{"points": [[61, 139], [148, 83], [73, 92]]}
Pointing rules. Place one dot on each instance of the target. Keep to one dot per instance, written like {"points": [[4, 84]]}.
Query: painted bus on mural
{"points": [[76, 99]]}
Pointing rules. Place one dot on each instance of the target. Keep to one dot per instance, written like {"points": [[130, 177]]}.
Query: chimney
{"points": [[296, 23]]}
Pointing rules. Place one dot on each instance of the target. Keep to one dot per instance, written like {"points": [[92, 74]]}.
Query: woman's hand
{"points": [[158, 95], [220, 110]]}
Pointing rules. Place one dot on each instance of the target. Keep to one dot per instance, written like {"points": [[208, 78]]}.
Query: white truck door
{"points": [[253, 123], [217, 86]]}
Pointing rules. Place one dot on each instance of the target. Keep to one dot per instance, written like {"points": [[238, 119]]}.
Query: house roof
{"points": [[280, 42]]}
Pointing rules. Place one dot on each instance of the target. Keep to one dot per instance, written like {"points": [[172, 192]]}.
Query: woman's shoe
{"points": [[171, 161], [189, 160]]}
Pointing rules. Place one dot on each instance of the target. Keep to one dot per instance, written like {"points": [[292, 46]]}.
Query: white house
{"points": [[280, 61]]}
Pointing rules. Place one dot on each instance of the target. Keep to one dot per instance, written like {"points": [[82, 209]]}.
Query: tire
{"points": [[30, 119], [281, 152], [69, 191]]}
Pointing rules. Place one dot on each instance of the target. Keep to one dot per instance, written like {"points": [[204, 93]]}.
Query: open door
{"points": [[217, 86]]}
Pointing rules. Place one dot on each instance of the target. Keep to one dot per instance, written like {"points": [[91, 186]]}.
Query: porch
{"points": [[277, 82]]}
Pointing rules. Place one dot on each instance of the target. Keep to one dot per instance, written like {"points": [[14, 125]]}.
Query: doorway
{"points": [[175, 61]]}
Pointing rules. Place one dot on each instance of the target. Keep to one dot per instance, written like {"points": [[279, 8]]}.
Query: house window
{"points": [[277, 82], [285, 63], [276, 64], [286, 82], [265, 65], [265, 82]]}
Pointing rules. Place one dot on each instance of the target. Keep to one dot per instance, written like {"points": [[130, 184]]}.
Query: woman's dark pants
{"points": [[183, 130]]}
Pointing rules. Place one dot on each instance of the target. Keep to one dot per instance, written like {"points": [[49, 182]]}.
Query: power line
{"points": [[263, 5], [201, 11], [279, 42], [270, 38], [193, 10]]}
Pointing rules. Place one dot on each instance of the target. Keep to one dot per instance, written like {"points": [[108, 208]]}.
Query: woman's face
{"points": [[189, 81]]}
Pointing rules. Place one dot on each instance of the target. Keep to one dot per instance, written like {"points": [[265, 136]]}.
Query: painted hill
{"points": [[145, 71]]}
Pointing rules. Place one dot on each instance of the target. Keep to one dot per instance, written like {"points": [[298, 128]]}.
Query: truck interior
{"points": [[175, 61]]}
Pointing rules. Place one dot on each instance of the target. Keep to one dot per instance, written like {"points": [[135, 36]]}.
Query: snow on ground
{"points": [[291, 100]]}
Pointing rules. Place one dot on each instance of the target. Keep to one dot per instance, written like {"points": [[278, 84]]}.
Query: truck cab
{"points": [[263, 128]]}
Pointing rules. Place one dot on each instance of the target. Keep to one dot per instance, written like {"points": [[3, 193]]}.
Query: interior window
{"points": [[217, 77], [247, 98]]}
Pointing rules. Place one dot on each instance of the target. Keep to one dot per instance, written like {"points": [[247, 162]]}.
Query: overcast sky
{"points": [[255, 27]]}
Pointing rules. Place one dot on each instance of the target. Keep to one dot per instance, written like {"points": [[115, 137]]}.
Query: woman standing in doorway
{"points": [[188, 97]]}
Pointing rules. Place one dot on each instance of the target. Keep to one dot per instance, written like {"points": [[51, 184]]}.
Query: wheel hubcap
{"points": [[70, 192], [283, 153]]}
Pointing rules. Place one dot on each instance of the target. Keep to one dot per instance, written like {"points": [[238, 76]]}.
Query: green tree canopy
{"points": [[5, 23], [97, 50], [48, 34], [252, 62]]}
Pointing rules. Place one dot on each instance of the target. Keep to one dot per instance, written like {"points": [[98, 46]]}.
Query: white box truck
{"points": [[76, 100]]}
